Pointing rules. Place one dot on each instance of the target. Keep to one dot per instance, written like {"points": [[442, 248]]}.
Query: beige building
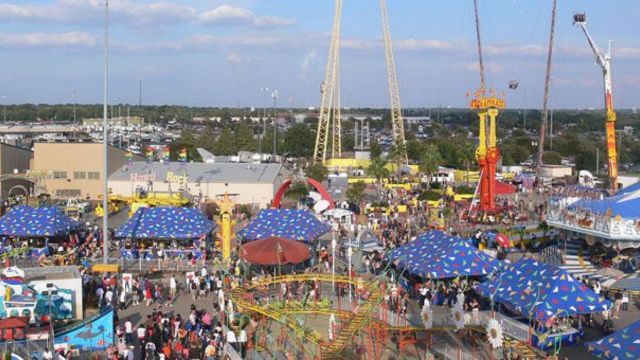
{"points": [[254, 184], [556, 171], [14, 161], [71, 170], [118, 120]]}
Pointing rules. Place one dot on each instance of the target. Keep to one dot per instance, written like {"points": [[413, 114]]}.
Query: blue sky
{"points": [[218, 53]]}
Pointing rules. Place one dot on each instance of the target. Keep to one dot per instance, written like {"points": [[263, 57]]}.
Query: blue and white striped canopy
{"points": [[437, 255]]}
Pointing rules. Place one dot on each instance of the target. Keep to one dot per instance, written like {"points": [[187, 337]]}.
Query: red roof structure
{"points": [[275, 251]]}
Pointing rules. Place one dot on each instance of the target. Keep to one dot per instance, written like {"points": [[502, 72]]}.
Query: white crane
{"points": [[604, 60]]}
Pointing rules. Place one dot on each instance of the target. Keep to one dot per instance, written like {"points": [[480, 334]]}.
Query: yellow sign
{"points": [[485, 103], [180, 179]]}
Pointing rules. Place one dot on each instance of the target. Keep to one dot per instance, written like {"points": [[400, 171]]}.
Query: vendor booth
{"points": [[545, 295], [437, 255], [286, 223], [177, 232], [40, 225]]}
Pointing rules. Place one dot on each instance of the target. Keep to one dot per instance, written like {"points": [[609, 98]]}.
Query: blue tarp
{"points": [[437, 255], [166, 223], [624, 205], [543, 290], [621, 345], [291, 224], [43, 221], [629, 189]]}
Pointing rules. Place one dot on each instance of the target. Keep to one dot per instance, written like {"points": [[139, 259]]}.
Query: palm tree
{"points": [[466, 154], [378, 169], [430, 160]]}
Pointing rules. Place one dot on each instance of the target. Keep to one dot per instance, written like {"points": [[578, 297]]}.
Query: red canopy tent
{"points": [[275, 251], [503, 188]]}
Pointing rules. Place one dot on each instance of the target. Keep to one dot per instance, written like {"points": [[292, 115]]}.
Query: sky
{"points": [[220, 53]]}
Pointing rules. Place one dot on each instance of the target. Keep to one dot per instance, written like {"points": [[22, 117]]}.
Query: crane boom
{"points": [[397, 120], [604, 60]]}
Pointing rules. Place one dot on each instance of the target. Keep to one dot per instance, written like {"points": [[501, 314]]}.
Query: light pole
{"points": [[349, 254], [264, 90], [274, 95], [140, 78], [4, 107], [51, 292], [74, 94], [191, 105], [105, 142], [429, 88]]}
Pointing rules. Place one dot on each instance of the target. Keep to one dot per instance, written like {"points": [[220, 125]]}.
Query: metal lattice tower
{"points": [[394, 93], [329, 102], [545, 99]]}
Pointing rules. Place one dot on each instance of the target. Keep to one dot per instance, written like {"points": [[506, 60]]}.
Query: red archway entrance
{"points": [[277, 200]]}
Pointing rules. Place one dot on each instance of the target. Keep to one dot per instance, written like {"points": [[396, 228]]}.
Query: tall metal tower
{"points": [[545, 101], [329, 102], [397, 120], [329, 119]]}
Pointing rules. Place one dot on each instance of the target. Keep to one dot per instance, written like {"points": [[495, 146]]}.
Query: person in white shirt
{"points": [[232, 340], [128, 332], [625, 300], [108, 297], [123, 300], [47, 355], [141, 333], [173, 287], [242, 340]]}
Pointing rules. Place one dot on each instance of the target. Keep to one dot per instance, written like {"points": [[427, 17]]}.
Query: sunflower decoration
{"points": [[494, 333], [457, 314], [427, 317]]}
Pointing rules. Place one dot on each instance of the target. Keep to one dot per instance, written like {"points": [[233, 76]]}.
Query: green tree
{"points": [[297, 191], [466, 155], [244, 138], [356, 192], [299, 141], [375, 149], [226, 144], [551, 158], [378, 169], [430, 160], [317, 172]]}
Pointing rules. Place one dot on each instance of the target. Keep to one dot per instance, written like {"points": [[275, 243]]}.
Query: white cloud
{"points": [[273, 21], [91, 11], [48, 39], [423, 44], [306, 62], [491, 67], [227, 14], [233, 15]]}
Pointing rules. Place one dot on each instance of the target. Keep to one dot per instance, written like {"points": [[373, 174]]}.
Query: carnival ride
{"points": [[487, 153], [363, 325], [141, 200], [329, 132]]}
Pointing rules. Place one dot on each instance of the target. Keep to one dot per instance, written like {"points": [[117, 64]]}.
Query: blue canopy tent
{"points": [[629, 189], [291, 224], [621, 345], [26, 221], [542, 290], [626, 206], [166, 223], [437, 255]]}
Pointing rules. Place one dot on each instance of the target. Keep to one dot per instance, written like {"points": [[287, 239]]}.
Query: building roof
{"points": [[201, 172]]}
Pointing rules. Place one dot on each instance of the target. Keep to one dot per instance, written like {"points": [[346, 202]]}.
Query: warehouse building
{"points": [[73, 170], [254, 184]]}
